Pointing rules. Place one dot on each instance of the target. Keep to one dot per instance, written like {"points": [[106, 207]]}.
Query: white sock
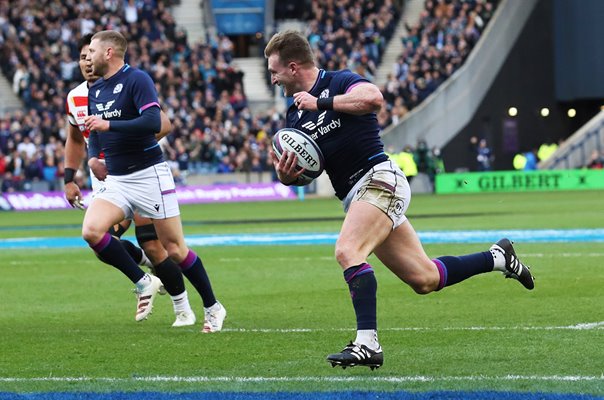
{"points": [[368, 337], [181, 302], [143, 282], [498, 258], [145, 261]]}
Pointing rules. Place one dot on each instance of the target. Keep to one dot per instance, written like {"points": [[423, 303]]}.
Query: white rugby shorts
{"points": [[386, 187], [151, 192]]}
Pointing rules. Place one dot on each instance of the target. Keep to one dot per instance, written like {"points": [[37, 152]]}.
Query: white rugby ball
{"points": [[308, 152]]}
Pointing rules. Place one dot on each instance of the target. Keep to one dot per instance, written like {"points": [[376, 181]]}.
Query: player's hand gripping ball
{"points": [[307, 151]]}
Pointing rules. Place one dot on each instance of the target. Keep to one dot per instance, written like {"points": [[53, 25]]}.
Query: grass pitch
{"points": [[68, 321]]}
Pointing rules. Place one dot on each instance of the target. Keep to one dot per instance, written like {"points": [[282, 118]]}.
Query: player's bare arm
{"points": [[75, 151], [166, 126], [75, 147], [363, 99], [98, 168]]}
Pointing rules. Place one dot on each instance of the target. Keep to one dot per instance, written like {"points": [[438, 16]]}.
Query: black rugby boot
{"points": [[355, 354]]}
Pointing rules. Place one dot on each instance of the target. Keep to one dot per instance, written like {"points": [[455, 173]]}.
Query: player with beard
{"points": [[162, 266]]}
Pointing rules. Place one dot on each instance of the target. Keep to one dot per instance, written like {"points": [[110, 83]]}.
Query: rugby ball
{"points": [[308, 152]]}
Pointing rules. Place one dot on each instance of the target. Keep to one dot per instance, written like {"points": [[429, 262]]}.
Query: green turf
{"points": [[427, 212], [64, 314]]}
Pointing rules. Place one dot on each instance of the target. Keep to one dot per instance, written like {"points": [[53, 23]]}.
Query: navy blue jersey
{"points": [[124, 96], [350, 144]]}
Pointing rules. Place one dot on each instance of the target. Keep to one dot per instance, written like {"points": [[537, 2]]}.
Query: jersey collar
{"points": [[320, 76]]}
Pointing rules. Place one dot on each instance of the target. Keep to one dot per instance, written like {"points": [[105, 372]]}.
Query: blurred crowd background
{"points": [[201, 90]]}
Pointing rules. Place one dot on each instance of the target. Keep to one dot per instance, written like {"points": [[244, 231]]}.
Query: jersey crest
{"points": [[118, 88]]}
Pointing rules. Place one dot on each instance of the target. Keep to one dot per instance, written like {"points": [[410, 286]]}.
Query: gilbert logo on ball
{"points": [[307, 151]]}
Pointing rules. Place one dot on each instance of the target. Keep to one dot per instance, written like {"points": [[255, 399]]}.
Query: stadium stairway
{"points": [[576, 150], [410, 14], [259, 95], [8, 100], [447, 110], [188, 15]]}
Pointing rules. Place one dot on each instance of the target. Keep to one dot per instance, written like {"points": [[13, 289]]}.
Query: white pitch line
{"points": [[315, 379], [577, 327], [558, 255], [274, 259]]}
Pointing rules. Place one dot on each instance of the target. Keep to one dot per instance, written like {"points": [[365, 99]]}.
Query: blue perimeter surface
{"points": [[427, 237], [298, 396]]}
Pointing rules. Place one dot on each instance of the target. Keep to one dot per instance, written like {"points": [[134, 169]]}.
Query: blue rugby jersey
{"points": [[350, 144], [124, 96]]}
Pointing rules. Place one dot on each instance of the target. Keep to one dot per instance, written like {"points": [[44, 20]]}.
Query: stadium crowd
{"points": [[202, 93], [351, 34], [200, 89], [433, 50]]}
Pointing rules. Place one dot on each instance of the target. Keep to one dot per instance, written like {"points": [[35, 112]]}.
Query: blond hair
{"points": [[290, 46], [115, 40]]}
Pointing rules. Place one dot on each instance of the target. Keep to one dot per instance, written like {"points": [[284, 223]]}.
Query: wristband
{"points": [[325, 103], [69, 175]]}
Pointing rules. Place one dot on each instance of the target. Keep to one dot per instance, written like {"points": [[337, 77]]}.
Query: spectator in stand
{"points": [[182, 157], [423, 159], [26, 147], [33, 167], [547, 149], [519, 161], [9, 183], [225, 165], [406, 162], [50, 172], [484, 156], [531, 160], [437, 161], [2, 163], [596, 160]]}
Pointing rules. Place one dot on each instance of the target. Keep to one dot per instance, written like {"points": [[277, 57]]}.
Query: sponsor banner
{"points": [[520, 181], [234, 192], [26, 201], [29, 201], [4, 205]]}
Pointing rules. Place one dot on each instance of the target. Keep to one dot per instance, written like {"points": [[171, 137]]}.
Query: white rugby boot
{"points": [[145, 298], [184, 318], [214, 318]]}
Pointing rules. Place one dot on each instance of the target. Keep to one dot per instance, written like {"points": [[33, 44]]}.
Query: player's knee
{"points": [[345, 255], [423, 284], [91, 234], [175, 252], [422, 289]]}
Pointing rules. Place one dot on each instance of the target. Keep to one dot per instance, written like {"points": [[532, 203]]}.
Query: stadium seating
{"points": [[199, 87]]}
